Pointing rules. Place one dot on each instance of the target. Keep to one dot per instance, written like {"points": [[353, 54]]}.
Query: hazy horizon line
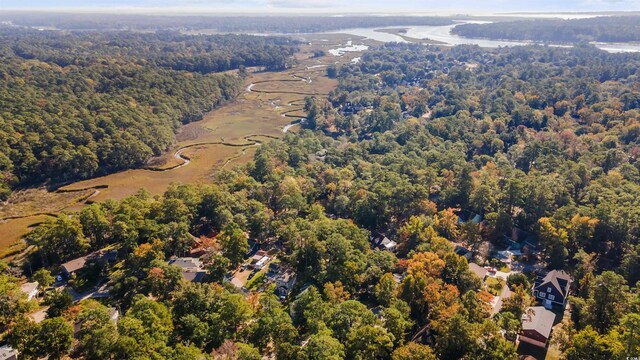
{"points": [[297, 11]]}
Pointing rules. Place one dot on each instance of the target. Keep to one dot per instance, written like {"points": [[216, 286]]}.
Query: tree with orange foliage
{"points": [[335, 292], [446, 222]]}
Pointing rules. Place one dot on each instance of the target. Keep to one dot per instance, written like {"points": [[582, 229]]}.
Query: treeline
{"points": [[168, 49], [78, 105], [602, 29], [233, 24]]}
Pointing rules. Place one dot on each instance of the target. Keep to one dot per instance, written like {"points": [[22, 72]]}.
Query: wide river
{"points": [[443, 34]]}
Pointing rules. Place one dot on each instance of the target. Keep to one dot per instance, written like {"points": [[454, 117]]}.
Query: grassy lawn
{"points": [[255, 281], [494, 285], [553, 353]]}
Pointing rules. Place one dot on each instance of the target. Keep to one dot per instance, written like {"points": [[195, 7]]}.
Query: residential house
{"points": [[8, 353], [274, 269], [478, 270], [73, 266], [521, 240], [285, 281], [462, 251], [398, 278], [537, 323], [192, 268], [553, 288], [258, 255], [466, 216], [114, 316], [382, 242], [31, 289]]}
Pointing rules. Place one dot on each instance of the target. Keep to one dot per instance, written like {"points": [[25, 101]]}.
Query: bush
{"points": [[518, 279]]}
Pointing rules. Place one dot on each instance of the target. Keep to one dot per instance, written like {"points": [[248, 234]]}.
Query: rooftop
{"points": [[7, 352], [478, 270], [74, 265], [539, 319], [29, 287], [559, 278], [259, 255], [187, 263]]}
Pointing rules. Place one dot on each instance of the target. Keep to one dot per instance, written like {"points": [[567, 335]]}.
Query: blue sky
{"points": [[329, 5]]}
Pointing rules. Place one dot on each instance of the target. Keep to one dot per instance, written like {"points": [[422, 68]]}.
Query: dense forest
{"points": [[225, 24], [602, 29], [76, 105], [544, 140]]}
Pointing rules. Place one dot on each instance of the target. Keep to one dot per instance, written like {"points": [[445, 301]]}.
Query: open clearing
{"points": [[226, 137]]}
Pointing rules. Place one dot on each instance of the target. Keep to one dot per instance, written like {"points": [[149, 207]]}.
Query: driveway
{"points": [[39, 315], [497, 303]]}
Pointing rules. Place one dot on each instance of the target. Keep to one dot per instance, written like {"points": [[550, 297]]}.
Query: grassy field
{"points": [[224, 138]]}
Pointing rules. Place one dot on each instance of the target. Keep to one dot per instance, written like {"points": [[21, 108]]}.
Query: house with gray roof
{"points": [[478, 270], [8, 353], [192, 268], [537, 323], [381, 242]]}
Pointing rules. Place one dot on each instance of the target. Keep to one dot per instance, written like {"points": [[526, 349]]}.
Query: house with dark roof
{"points": [[537, 323], [382, 242], [521, 240], [466, 216], [462, 251], [285, 281], [192, 269], [71, 266], [552, 289]]}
